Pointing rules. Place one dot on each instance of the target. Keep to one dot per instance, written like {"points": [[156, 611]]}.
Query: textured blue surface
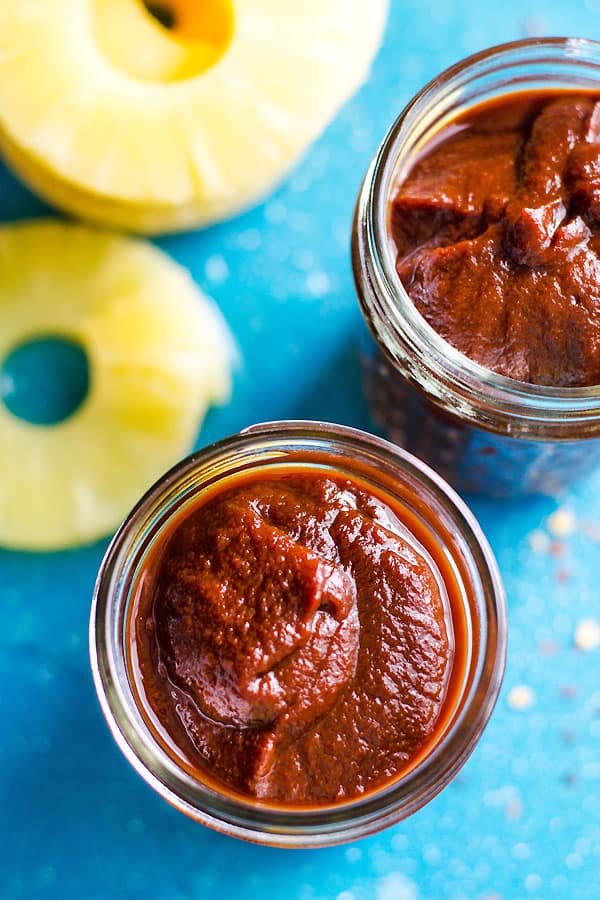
{"points": [[523, 818]]}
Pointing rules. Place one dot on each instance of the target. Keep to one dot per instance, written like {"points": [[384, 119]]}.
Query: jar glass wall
{"points": [[333, 449], [482, 431]]}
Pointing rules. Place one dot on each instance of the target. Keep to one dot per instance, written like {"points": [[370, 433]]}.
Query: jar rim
{"points": [[450, 378], [273, 442]]}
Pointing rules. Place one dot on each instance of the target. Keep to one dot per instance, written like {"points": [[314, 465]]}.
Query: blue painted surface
{"points": [[523, 818], [45, 380]]}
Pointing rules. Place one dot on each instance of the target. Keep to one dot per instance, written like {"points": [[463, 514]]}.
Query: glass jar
{"points": [[446, 521], [480, 430]]}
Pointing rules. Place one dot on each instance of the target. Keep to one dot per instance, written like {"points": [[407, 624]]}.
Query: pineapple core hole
{"points": [[45, 380], [163, 41], [162, 13]]}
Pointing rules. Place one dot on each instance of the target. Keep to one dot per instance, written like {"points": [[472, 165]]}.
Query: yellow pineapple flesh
{"points": [[121, 121], [159, 356]]}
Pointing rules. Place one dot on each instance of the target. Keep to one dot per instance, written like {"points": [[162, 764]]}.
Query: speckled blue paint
{"points": [[523, 818]]}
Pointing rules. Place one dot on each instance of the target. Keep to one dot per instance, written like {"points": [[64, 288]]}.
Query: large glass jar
{"points": [[443, 520], [482, 431]]}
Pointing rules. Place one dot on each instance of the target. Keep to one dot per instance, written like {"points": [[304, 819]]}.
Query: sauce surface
{"points": [[294, 641], [497, 230]]}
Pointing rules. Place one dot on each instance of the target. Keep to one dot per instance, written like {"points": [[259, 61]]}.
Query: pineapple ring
{"points": [[124, 122], [158, 356]]}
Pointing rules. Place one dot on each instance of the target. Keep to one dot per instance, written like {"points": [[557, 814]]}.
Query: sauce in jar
{"points": [[475, 260], [298, 639], [497, 230], [298, 635]]}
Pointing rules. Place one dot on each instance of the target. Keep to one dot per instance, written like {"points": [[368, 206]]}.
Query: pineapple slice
{"points": [[122, 121], [158, 356]]}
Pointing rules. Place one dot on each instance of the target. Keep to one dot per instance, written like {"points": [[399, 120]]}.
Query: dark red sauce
{"points": [[297, 639]]}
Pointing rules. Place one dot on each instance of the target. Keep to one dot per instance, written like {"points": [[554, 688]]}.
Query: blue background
{"points": [[523, 818]]}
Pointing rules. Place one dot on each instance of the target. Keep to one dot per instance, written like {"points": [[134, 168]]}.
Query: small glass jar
{"points": [[482, 431], [446, 521]]}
